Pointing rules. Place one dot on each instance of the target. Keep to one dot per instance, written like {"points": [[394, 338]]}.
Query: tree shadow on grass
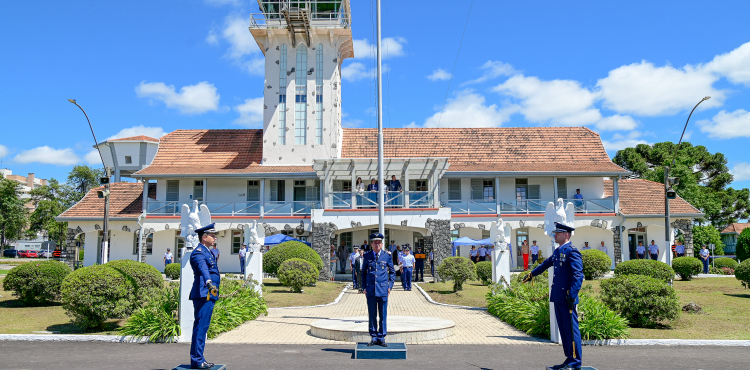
{"points": [[17, 303], [738, 295], [71, 328]]}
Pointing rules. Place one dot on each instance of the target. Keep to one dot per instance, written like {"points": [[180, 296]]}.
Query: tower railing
{"points": [[321, 13]]}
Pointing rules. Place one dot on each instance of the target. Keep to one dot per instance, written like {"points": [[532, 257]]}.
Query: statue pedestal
{"points": [[254, 266], [500, 266], [186, 312]]}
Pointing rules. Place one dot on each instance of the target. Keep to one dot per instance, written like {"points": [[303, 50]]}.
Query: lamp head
{"points": [[72, 101], [706, 98]]}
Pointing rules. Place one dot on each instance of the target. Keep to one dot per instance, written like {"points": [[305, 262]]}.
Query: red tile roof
{"points": [[125, 200], [644, 197], [735, 228], [136, 138]]}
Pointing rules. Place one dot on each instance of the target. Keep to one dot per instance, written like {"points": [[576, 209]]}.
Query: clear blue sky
{"points": [[630, 71]]}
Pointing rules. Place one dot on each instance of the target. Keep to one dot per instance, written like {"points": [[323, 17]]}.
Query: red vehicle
{"points": [[28, 254]]}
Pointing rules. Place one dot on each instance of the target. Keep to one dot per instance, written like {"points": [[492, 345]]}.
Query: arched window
{"points": [[300, 98], [282, 95], [319, 95]]}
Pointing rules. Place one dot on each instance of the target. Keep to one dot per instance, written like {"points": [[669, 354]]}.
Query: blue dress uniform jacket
{"points": [[204, 268], [379, 277], [568, 269]]}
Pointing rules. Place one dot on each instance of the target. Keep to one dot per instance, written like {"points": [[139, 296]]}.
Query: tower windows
{"points": [[300, 99], [282, 95], [319, 95]]}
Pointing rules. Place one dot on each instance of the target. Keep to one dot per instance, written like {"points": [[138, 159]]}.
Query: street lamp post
{"points": [[105, 193], [669, 193]]}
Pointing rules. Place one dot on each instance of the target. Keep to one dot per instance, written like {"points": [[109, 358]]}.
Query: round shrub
{"points": [[172, 271], [458, 269], [95, 294], [743, 245], [484, 271], [642, 300], [687, 267], [297, 273], [273, 259], [655, 269], [144, 277], [725, 262], [742, 272], [595, 263], [36, 283]]}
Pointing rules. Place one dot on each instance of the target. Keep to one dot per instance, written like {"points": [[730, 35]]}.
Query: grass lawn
{"points": [[726, 306], [3, 272], [474, 293], [17, 319], [277, 295]]}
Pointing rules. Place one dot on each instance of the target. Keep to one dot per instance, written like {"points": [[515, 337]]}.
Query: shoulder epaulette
{"points": [[388, 252]]}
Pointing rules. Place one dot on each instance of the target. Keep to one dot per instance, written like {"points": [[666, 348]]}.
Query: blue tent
{"points": [[280, 238], [466, 241], [484, 242]]}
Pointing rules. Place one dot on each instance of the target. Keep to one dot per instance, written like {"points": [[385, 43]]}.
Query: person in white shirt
{"points": [[352, 257], [640, 250], [167, 257], [653, 249], [534, 252], [603, 248], [242, 254], [407, 267], [679, 249], [585, 246], [482, 253], [393, 246], [704, 259]]}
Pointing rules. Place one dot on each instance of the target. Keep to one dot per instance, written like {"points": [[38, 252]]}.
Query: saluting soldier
{"points": [[204, 294], [378, 282], [566, 283]]}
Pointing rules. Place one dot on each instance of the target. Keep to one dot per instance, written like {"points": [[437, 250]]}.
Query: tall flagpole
{"points": [[381, 184]]}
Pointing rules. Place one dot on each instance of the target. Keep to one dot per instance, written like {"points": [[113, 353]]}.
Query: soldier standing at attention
{"points": [[419, 258], [378, 282], [680, 249], [653, 249], [534, 252], [407, 268], [525, 254], [352, 257], [567, 280], [243, 253], [204, 294], [167, 258], [640, 250]]}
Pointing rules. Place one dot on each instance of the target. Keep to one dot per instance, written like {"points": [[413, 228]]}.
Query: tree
{"points": [[13, 215], [50, 201], [705, 235], [81, 179], [704, 178], [743, 245]]}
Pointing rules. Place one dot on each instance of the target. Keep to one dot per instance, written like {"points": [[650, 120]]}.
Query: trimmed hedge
{"points": [[655, 269], [595, 263], [37, 283], [725, 262], [742, 272], [687, 267], [172, 271], [484, 272], [145, 278], [297, 273], [642, 300], [94, 294], [273, 259], [458, 269]]}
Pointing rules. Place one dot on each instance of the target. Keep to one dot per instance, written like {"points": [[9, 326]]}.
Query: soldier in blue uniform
{"points": [[204, 294], [378, 282], [568, 268]]}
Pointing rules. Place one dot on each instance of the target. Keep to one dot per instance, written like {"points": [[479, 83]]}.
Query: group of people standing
{"points": [[391, 188]]}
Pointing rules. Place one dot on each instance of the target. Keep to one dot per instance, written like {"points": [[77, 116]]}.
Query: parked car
{"points": [[45, 254], [12, 253], [31, 254]]}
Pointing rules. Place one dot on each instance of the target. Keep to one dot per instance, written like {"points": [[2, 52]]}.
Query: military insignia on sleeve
{"points": [[198, 249], [388, 252]]}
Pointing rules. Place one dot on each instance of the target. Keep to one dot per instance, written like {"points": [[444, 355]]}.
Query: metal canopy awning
{"points": [[367, 168]]}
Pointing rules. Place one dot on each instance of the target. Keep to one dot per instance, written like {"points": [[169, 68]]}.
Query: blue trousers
{"points": [[355, 281], [419, 270], [377, 310], [406, 276], [705, 265], [167, 262], [534, 257], [569, 333], [242, 266], [203, 311], [654, 256]]}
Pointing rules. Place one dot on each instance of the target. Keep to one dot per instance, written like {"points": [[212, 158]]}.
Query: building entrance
{"points": [[635, 236]]}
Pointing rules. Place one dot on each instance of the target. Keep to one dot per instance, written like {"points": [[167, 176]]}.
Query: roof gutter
{"points": [[530, 173], [244, 175], [69, 219], [683, 215]]}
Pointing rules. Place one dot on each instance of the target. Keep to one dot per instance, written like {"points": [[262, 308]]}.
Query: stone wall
{"points": [[321, 243], [687, 231], [440, 230], [617, 244]]}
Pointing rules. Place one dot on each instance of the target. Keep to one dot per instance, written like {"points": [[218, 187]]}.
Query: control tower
{"points": [[304, 43]]}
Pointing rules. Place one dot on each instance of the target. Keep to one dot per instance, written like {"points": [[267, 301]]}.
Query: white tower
{"points": [[304, 43]]}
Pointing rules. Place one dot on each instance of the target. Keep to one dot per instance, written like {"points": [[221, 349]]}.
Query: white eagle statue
{"points": [[500, 233], [255, 236], [191, 220], [556, 213]]}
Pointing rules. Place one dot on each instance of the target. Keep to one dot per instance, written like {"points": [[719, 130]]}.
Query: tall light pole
{"points": [[103, 194], [381, 183], [669, 193]]}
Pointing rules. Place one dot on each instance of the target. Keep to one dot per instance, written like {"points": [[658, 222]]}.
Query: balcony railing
{"points": [[393, 199], [527, 206], [294, 208], [320, 13]]}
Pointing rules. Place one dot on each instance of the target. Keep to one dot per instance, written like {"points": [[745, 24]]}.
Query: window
{"points": [[319, 95], [300, 97], [562, 188], [198, 190], [346, 238], [278, 190], [128, 159], [135, 244], [253, 191], [282, 95], [454, 234], [417, 185], [173, 190], [485, 234], [149, 245], [482, 189], [522, 187], [288, 233], [306, 192], [237, 237], [179, 243], [454, 189], [342, 186]]}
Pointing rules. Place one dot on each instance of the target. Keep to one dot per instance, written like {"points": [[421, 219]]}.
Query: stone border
{"points": [[429, 299], [341, 295], [73, 338], [667, 342]]}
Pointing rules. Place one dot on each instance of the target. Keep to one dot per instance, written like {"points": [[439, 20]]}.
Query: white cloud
{"points": [[439, 74], [92, 157], [3, 151], [390, 47], [468, 109], [212, 38], [251, 113], [741, 171], [355, 71], [256, 66], [616, 122], [725, 125], [224, 2], [154, 132], [619, 141], [646, 90], [493, 69], [241, 41], [47, 155], [192, 99], [734, 65]]}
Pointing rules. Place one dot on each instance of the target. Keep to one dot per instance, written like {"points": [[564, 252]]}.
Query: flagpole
{"points": [[381, 184]]}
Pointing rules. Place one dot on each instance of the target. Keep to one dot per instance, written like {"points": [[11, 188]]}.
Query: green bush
{"points": [[172, 271], [725, 262], [80, 255], [94, 294], [242, 304], [145, 278], [655, 269], [297, 273], [598, 322], [458, 269], [273, 259], [742, 272], [484, 272], [743, 245], [705, 235], [642, 300], [36, 283], [687, 267], [595, 263], [158, 319]]}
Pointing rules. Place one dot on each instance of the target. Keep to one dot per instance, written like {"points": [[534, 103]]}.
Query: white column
{"points": [[435, 189], [497, 199], [616, 196], [254, 267], [186, 312], [405, 187], [354, 189], [554, 329], [554, 190], [205, 191], [326, 188], [262, 197]]}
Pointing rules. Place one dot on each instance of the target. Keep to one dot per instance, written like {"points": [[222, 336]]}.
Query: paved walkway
{"points": [[292, 326]]}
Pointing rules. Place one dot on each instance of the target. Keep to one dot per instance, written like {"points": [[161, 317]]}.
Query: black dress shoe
{"points": [[372, 343], [205, 365], [383, 343]]}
